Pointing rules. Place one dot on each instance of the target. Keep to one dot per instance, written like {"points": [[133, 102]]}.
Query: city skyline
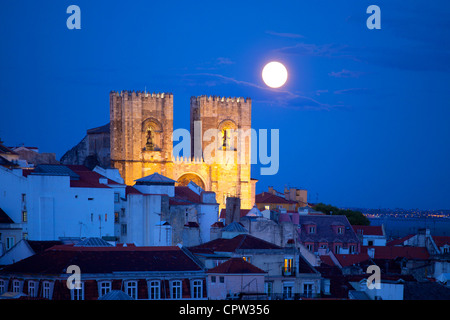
{"points": [[362, 117]]}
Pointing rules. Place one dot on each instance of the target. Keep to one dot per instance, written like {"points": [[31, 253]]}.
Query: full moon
{"points": [[274, 74]]}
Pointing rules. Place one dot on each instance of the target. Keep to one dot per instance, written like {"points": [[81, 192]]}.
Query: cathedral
{"points": [[141, 142]]}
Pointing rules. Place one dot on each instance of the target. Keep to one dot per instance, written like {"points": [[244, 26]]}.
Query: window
{"points": [[268, 288], [445, 250], [176, 289], [116, 197], [213, 279], [288, 266], [9, 242], [308, 289], [46, 292], [92, 217], [105, 287], [311, 229], [287, 290], [222, 279], [24, 197], [310, 247], [78, 294], [16, 286], [248, 259], [197, 289], [32, 288], [2, 286], [24, 216], [352, 248], [123, 229], [116, 217], [106, 217], [340, 230], [131, 289], [155, 290], [370, 243], [337, 248], [25, 235]]}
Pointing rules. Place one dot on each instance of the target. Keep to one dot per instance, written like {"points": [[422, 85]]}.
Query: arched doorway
{"points": [[184, 180]]}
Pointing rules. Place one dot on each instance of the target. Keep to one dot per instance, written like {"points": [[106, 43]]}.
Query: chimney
{"points": [[371, 252], [232, 210]]}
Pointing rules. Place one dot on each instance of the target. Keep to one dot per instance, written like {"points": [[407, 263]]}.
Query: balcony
{"points": [[288, 271]]}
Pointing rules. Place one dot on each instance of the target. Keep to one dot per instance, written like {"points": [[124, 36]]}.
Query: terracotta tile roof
{"points": [[441, 240], [393, 252], [39, 246], [324, 229], [399, 242], [88, 178], [105, 260], [185, 194], [368, 230], [131, 190], [346, 260], [266, 197], [327, 260], [236, 266], [242, 241], [218, 224]]}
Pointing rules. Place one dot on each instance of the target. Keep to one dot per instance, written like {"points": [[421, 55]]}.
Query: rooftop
{"points": [[236, 266], [155, 179], [242, 241], [266, 197], [105, 260]]}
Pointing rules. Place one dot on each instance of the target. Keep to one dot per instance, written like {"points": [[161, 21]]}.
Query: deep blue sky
{"points": [[363, 119]]}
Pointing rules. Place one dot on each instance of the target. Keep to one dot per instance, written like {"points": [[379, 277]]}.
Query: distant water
{"points": [[400, 227]]}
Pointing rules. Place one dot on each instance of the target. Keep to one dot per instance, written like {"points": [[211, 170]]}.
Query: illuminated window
{"points": [[24, 216]]}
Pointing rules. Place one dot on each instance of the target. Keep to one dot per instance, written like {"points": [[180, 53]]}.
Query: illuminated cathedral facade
{"points": [[141, 137]]}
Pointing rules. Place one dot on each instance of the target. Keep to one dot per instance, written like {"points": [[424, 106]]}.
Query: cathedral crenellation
{"points": [[142, 141]]}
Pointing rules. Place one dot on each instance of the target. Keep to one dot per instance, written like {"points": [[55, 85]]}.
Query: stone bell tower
{"points": [[141, 133]]}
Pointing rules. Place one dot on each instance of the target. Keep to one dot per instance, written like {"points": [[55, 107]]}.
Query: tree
{"points": [[354, 217]]}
